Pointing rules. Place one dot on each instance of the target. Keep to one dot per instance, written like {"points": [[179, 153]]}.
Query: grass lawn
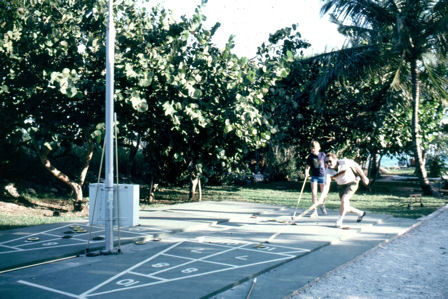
{"points": [[383, 198], [12, 221]]}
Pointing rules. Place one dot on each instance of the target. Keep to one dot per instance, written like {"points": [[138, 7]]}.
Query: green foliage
{"points": [[396, 36], [282, 164], [198, 104], [436, 167], [186, 107], [389, 198]]}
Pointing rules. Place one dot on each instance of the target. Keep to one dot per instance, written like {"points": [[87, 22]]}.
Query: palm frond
{"points": [[437, 70], [437, 25], [353, 62], [362, 12]]}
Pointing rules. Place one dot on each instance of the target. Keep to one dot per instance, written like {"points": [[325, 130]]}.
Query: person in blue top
{"points": [[316, 163]]}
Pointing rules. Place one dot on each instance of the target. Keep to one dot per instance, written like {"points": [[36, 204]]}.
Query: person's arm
{"points": [[359, 171], [338, 174], [307, 171]]}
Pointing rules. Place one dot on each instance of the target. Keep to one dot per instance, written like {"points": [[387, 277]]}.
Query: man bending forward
{"points": [[343, 172]]}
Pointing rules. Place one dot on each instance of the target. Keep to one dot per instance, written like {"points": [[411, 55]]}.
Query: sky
{"points": [[251, 22]]}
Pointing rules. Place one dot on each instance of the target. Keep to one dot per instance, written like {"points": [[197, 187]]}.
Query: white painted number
{"points": [[268, 248], [199, 250], [50, 244], [242, 257], [127, 282], [189, 270], [160, 265]]}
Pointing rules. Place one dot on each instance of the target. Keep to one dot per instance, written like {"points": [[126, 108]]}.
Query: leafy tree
{"points": [[200, 106], [397, 35], [54, 86]]}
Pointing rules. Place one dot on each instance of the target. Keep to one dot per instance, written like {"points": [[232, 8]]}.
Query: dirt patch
{"points": [[41, 209], [414, 265]]}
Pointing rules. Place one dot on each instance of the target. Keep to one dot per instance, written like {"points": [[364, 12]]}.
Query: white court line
{"points": [[147, 276], [98, 229], [143, 232], [48, 289], [291, 249], [173, 267], [46, 247], [11, 247], [193, 260], [300, 250], [129, 269], [185, 277], [77, 241], [161, 271], [90, 293], [202, 259], [30, 235], [264, 250]]}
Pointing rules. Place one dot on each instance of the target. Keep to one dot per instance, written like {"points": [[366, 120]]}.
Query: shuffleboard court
{"points": [[206, 249], [32, 245], [156, 269]]}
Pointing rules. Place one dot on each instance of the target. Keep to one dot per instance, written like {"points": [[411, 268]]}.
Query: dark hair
{"points": [[332, 155]]}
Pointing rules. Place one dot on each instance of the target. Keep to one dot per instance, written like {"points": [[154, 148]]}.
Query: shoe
{"points": [[339, 224], [323, 210], [314, 215], [360, 217]]}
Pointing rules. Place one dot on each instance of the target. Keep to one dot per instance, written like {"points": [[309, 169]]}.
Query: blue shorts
{"points": [[318, 179]]}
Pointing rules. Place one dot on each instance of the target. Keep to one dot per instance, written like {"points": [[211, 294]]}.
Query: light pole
{"points": [[110, 51]]}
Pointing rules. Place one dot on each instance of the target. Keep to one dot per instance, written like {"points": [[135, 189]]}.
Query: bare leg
{"points": [[314, 191], [314, 198], [322, 189], [347, 208]]}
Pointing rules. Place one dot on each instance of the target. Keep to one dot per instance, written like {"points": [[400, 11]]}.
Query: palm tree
{"points": [[396, 35]]}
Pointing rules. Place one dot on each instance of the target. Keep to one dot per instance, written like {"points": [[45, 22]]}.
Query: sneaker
{"points": [[339, 224], [314, 214], [360, 217], [323, 210]]}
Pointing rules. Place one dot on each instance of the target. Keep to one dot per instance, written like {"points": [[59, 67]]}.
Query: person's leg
{"points": [[314, 191], [314, 195], [341, 208], [345, 194], [322, 207], [345, 205], [345, 202]]}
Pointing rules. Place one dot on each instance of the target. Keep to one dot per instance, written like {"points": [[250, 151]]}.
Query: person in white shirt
{"points": [[344, 171]]}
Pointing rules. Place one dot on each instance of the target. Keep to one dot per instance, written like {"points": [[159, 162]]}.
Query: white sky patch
{"points": [[251, 22]]}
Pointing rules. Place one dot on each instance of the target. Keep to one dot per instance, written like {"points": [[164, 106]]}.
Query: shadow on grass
{"points": [[11, 226]]}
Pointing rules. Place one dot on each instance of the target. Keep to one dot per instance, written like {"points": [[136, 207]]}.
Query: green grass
{"points": [[404, 171], [11, 222], [390, 198]]}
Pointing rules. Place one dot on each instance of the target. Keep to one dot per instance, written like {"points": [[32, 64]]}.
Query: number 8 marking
{"points": [[189, 270]]}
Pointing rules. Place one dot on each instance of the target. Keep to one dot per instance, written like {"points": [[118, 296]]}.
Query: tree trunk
{"points": [[131, 161], [416, 141], [374, 167], [152, 190], [89, 156], [195, 183], [76, 187]]}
